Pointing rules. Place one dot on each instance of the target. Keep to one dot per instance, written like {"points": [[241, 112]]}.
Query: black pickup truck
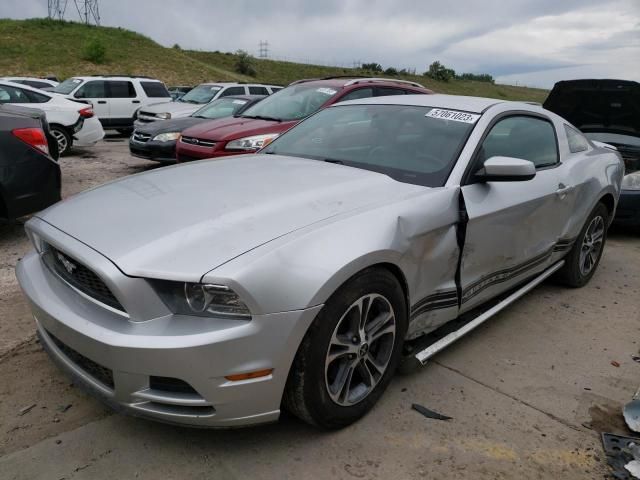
{"points": [[29, 171]]}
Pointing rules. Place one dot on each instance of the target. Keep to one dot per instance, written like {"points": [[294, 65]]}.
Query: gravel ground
{"points": [[529, 392]]}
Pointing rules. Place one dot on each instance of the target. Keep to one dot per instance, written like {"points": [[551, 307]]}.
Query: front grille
{"points": [[141, 137], [91, 368], [81, 277], [197, 141]]}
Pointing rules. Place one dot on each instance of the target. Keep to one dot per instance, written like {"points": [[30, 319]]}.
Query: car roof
{"points": [[453, 102], [26, 87], [340, 82], [117, 77]]}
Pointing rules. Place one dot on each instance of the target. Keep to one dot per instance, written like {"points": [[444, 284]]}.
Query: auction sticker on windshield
{"points": [[326, 91], [453, 115]]}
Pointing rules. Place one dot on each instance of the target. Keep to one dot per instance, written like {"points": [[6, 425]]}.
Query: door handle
{"points": [[563, 190], [135, 101], [102, 102]]}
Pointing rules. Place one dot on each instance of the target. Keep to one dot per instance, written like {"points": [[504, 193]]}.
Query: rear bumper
{"points": [[117, 359], [628, 210], [158, 151], [90, 133]]}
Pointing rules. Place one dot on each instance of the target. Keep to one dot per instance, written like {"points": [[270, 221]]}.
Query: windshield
{"points": [[68, 86], [613, 138], [223, 107], [411, 144], [292, 103], [201, 94]]}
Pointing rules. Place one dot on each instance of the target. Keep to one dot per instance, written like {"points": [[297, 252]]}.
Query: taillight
{"points": [[34, 137], [86, 112]]}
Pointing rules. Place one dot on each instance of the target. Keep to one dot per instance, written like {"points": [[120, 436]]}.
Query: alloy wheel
{"points": [[61, 138], [591, 245], [360, 349]]}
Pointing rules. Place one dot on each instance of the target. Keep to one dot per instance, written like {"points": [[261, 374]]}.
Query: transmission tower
{"points": [[88, 10], [264, 49], [57, 9]]}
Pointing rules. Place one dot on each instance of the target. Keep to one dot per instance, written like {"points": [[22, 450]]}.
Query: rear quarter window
{"points": [[155, 89], [577, 141]]}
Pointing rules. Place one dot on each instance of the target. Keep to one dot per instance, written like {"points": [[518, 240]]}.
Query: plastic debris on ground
{"points": [[429, 413], [623, 455], [631, 413]]}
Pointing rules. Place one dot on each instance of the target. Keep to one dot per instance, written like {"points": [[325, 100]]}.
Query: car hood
{"points": [[180, 222], [611, 106], [225, 129], [176, 109], [175, 125]]}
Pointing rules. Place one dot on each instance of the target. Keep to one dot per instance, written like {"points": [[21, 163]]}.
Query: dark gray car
{"points": [[29, 175]]}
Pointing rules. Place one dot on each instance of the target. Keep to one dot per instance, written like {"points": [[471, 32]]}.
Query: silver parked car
{"points": [[212, 293]]}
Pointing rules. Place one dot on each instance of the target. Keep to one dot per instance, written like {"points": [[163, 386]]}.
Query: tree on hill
{"points": [[438, 71], [245, 63], [372, 67], [94, 51]]}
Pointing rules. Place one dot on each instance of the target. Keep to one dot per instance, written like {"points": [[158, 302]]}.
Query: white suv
{"points": [[115, 99], [198, 96]]}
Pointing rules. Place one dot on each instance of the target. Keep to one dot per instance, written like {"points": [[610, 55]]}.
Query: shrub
{"points": [[94, 51], [391, 71], [372, 67], [439, 72], [245, 63], [176, 47]]}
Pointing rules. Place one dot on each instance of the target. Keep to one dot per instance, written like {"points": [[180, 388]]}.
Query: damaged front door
{"points": [[512, 226]]}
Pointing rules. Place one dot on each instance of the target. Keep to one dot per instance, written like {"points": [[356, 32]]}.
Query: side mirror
{"points": [[506, 169]]}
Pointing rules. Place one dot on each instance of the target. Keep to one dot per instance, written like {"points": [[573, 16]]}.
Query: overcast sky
{"points": [[531, 42]]}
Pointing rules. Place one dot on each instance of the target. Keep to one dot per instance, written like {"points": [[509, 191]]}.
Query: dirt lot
{"points": [[529, 392]]}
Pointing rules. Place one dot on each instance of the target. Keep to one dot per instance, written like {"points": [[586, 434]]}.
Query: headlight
{"points": [[631, 181], [252, 143], [164, 115], [200, 299], [167, 137]]}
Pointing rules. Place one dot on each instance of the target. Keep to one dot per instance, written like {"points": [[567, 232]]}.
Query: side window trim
{"points": [[471, 166]]}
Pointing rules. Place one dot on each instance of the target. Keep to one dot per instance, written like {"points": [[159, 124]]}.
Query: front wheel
{"points": [[584, 257], [62, 137], [348, 356]]}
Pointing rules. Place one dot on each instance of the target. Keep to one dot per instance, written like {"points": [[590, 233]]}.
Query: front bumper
{"points": [[120, 359], [158, 151], [628, 210]]}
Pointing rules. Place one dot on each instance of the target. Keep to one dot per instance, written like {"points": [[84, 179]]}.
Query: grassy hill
{"points": [[41, 47]]}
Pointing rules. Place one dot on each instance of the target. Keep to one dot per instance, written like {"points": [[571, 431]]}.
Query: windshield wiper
{"points": [[262, 117], [333, 160]]}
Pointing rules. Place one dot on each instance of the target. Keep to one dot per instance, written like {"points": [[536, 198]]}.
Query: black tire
{"points": [[307, 393], [62, 137], [571, 274]]}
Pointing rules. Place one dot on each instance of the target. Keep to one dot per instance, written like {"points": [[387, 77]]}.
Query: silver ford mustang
{"points": [[214, 292]]}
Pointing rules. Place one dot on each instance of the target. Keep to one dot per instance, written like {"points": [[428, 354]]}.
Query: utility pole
{"points": [[264, 49]]}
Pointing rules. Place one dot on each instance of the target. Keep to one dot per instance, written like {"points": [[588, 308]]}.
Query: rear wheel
{"points": [[584, 257], [348, 356], [62, 137]]}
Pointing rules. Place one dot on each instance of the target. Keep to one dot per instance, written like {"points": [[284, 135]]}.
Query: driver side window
{"points": [[525, 137]]}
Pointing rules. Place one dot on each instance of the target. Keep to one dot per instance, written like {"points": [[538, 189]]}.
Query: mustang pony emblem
{"points": [[69, 266]]}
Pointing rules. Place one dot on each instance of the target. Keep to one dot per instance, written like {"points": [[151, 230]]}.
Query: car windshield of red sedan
{"points": [[411, 144], [291, 103]]}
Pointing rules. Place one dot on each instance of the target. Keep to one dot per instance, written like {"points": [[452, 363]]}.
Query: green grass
{"points": [[39, 47]]}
